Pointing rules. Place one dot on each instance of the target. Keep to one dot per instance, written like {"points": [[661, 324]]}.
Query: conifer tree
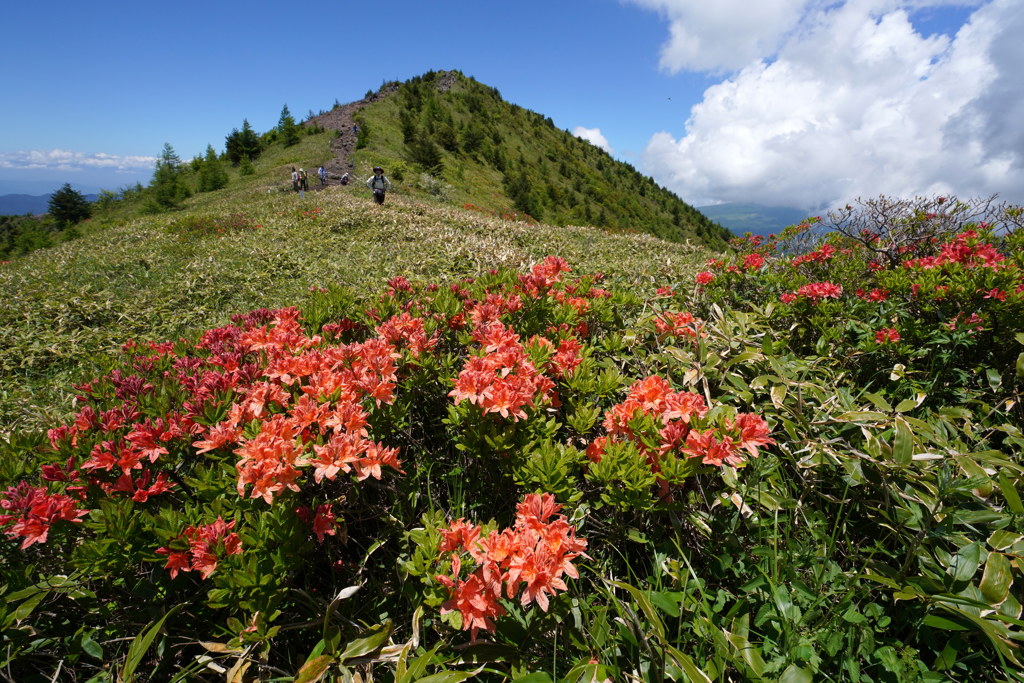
{"points": [[287, 128], [241, 144], [68, 206], [212, 175], [168, 186], [424, 152]]}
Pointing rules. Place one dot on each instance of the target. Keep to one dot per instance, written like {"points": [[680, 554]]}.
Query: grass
{"points": [[68, 309]]}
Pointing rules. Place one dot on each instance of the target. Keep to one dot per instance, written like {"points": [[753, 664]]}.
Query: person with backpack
{"points": [[379, 183], [295, 180], [322, 172], [303, 183]]}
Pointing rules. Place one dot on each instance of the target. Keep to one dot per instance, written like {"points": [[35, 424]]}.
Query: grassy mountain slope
{"points": [[480, 150], [67, 310]]}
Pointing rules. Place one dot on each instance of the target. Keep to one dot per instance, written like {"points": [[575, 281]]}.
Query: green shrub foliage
{"points": [[804, 465]]}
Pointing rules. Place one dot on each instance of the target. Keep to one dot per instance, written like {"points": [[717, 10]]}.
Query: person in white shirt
{"points": [[379, 183]]}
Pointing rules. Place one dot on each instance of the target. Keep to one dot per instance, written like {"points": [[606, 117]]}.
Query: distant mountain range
{"points": [[754, 218], [20, 204]]}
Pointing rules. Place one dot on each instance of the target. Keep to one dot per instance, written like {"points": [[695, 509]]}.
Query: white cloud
{"points": [[855, 103], [724, 34], [594, 137], [67, 160]]}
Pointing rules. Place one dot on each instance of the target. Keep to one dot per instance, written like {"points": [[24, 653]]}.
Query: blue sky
{"points": [[796, 102]]}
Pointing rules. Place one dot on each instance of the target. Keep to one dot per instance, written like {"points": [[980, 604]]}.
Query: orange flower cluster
{"points": [[681, 428], [408, 332], [199, 548], [33, 509], [533, 556], [965, 249], [678, 325], [813, 292], [504, 380], [327, 416], [323, 521]]}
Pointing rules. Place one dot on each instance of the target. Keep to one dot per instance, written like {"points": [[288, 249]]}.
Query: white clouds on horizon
{"points": [[594, 136], [847, 100], [67, 160]]}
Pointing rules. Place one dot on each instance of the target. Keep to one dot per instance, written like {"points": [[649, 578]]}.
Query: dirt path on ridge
{"points": [[341, 119]]}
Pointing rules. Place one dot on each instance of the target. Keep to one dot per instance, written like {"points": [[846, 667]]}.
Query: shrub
{"points": [[545, 471]]}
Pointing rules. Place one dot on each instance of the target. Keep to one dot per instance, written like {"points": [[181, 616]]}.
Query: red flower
{"points": [[753, 261], [33, 510], [887, 335]]}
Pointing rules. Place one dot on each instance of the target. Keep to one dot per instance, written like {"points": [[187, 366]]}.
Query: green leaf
{"points": [[903, 445], [863, 416], [538, 677], [667, 602], [1010, 494], [364, 646], [141, 644], [1020, 365], [879, 402], [688, 666], [965, 563], [852, 616], [91, 647], [25, 608], [794, 674], [645, 606], [907, 404], [996, 579], [995, 380], [935, 621], [778, 395], [451, 676], [314, 669], [1001, 539]]}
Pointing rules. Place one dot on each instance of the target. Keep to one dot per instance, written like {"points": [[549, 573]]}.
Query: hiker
{"points": [[322, 172], [344, 178], [303, 183], [295, 180], [378, 182]]}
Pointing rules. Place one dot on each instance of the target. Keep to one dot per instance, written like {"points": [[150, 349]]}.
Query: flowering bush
{"points": [[232, 453], [550, 473]]}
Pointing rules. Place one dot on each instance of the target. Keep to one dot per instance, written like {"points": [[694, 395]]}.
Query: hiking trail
{"points": [[342, 119]]}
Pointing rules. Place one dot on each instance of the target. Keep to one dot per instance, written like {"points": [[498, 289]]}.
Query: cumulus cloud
{"points": [[725, 34], [594, 137], [855, 102], [67, 160]]}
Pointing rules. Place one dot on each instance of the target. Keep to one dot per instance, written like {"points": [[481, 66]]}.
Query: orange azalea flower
{"points": [[205, 542], [711, 450], [324, 522], [337, 455], [753, 432], [478, 606], [218, 436], [460, 535], [681, 324], [534, 554], [33, 510], [270, 461]]}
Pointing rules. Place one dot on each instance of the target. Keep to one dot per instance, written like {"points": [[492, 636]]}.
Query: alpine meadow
{"points": [[533, 419]]}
